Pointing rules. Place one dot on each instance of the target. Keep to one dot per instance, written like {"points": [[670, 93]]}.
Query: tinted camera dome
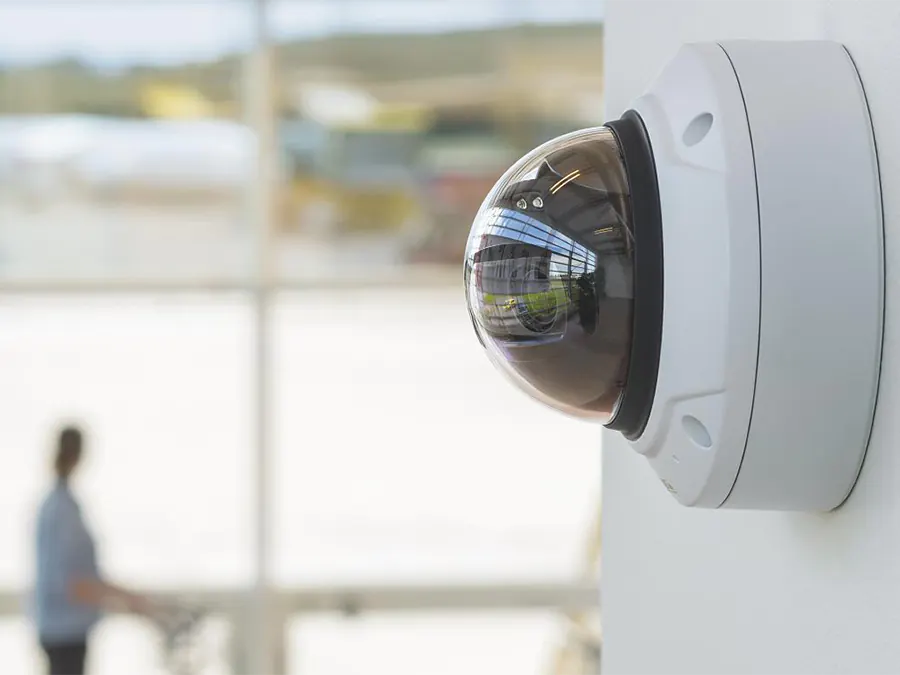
{"points": [[549, 274]]}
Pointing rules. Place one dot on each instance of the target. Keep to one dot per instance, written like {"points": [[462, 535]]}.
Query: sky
{"points": [[116, 33]]}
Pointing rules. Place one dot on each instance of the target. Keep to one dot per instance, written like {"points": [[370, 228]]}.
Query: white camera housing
{"points": [[762, 389]]}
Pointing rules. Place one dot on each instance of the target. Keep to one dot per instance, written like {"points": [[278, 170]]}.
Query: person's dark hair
{"points": [[68, 451]]}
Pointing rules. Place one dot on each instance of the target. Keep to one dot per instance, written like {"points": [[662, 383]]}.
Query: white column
{"points": [[259, 101]]}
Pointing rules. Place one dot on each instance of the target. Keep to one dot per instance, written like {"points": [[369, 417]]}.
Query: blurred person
{"points": [[70, 591]]}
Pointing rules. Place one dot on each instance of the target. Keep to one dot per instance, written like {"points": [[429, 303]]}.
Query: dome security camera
{"points": [[704, 275]]}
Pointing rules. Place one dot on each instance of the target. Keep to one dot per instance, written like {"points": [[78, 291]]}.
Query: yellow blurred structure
{"points": [[367, 184], [397, 117], [173, 101]]}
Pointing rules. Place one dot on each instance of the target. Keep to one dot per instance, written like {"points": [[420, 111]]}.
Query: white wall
{"points": [[694, 591]]}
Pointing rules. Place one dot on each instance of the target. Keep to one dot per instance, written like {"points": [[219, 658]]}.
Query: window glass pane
{"points": [[397, 117], [123, 150], [163, 388], [412, 644], [401, 455]]}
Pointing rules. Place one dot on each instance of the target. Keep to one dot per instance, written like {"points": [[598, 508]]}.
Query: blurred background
{"points": [[231, 235]]}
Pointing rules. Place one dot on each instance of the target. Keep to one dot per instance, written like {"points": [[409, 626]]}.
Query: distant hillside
{"points": [[384, 58], [70, 86]]}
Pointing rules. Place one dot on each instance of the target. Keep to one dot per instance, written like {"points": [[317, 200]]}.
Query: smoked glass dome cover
{"points": [[549, 273]]}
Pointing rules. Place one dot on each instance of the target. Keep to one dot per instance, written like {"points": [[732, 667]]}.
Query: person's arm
{"points": [[95, 591], [84, 583]]}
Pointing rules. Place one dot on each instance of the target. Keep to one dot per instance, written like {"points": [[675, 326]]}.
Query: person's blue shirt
{"points": [[65, 552]]}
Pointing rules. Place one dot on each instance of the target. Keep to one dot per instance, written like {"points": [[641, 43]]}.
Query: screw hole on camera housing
{"points": [[697, 129]]}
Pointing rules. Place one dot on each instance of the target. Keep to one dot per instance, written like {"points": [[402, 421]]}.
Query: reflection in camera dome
{"points": [[549, 273], [527, 276]]}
